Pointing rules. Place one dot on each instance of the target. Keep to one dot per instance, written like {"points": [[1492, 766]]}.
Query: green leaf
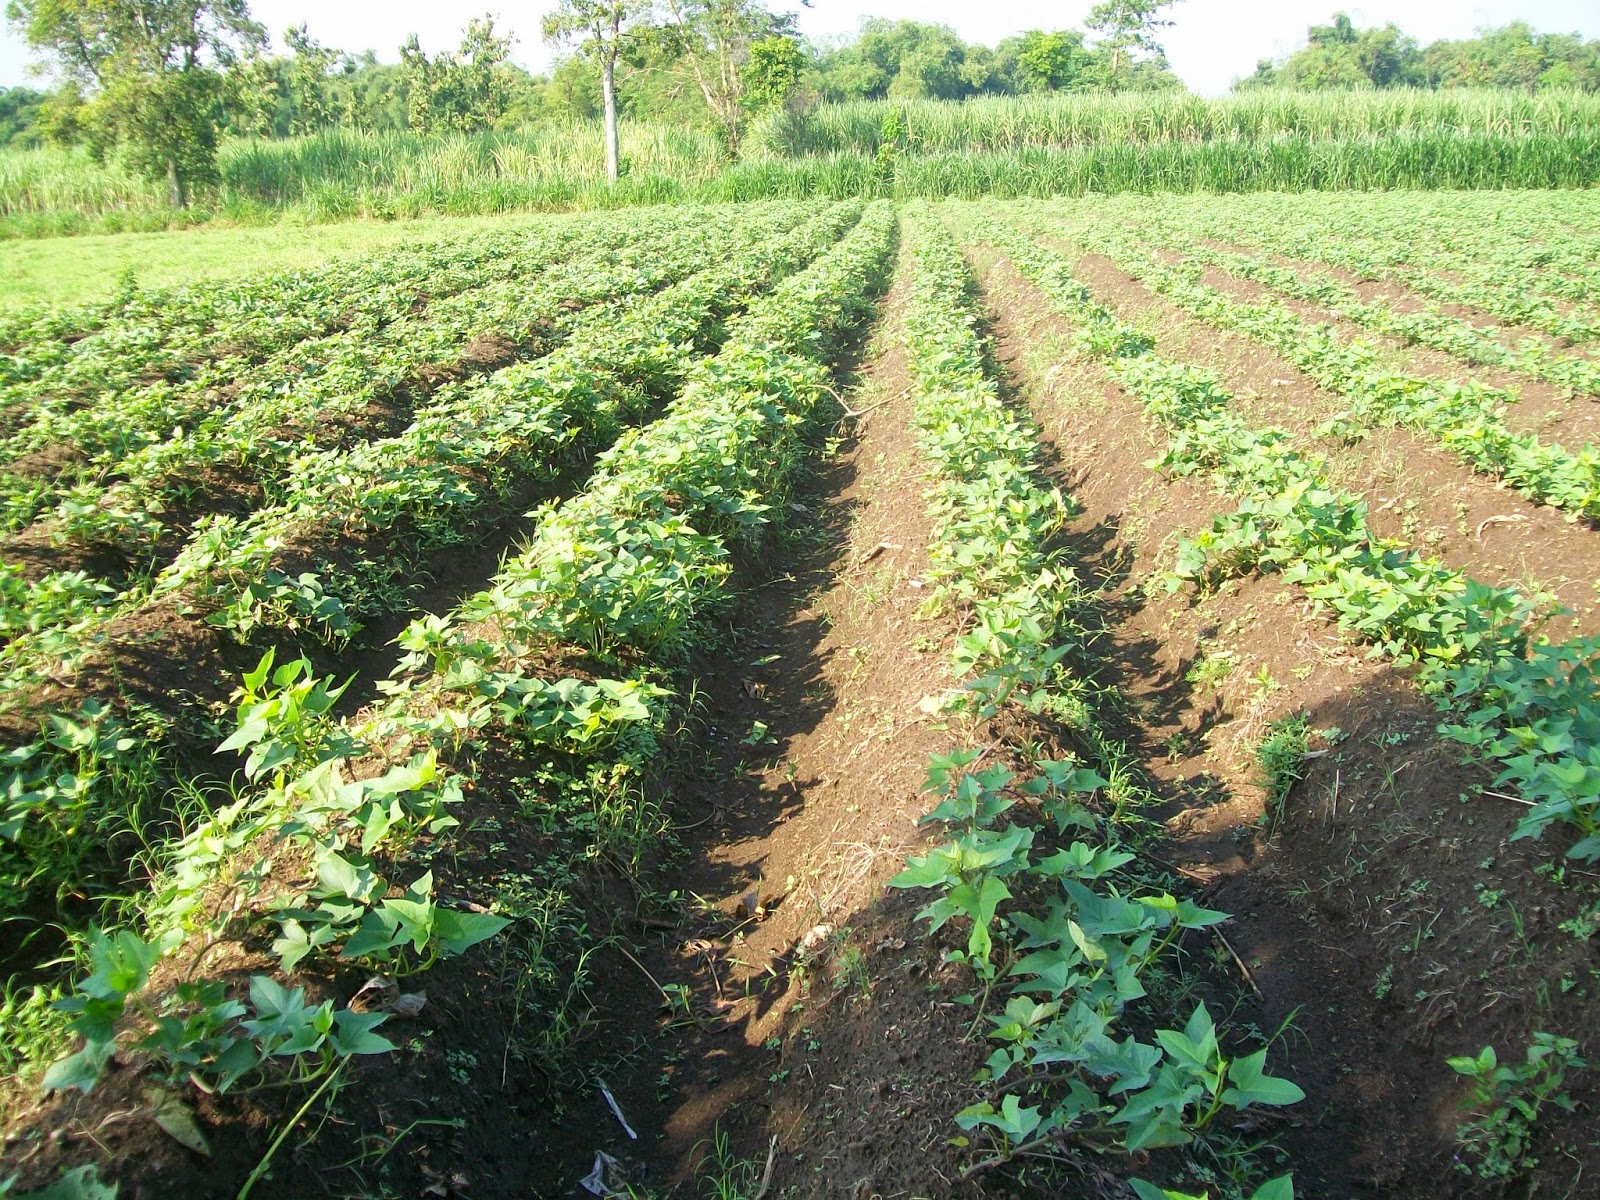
{"points": [[1281, 1188], [81, 1070], [416, 920], [176, 1119], [352, 1033], [1149, 1191], [458, 931], [930, 870], [378, 933], [80, 1183], [1251, 1085]]}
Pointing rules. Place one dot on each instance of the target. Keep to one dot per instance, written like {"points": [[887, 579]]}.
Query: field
{"points": [[1080, 696], [1046, 145]]}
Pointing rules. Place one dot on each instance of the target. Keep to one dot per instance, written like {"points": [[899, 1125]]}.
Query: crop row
{"points": [[1503, 261], [1064, 936], [1454, 335], [1466, 418], [1528, 705], [210, 333], [528, 422], [386, 478], [145, 454], [733, 439], [486, 439]]}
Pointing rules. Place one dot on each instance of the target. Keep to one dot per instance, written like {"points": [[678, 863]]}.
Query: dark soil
{"points": [[1384, 908]]}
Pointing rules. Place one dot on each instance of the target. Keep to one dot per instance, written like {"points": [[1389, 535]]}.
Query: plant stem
{"points": [[266, 1159]]}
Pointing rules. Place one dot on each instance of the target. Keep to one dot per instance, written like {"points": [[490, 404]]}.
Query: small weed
{"points": [[723, 1175], [1282, 757], [1385, 983], [1506, 1102], [1210, 668]]}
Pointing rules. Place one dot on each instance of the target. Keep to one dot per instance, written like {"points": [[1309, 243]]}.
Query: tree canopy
{"points": [[1338, 55]]}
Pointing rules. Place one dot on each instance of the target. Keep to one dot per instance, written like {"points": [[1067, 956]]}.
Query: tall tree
{"points": [[600, 28], [463, 92], [773, 73], [311, 104], [713, 40], [153, 71], [482, 73], [1048, 62], [1126, 27]]}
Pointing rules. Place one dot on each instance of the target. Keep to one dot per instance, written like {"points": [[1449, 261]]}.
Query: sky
{"points": [[1210, 43]]}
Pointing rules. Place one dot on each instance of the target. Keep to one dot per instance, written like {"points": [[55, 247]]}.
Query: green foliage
{"points": [[1075, 970], [773, 72], [1505, 1103], [1071, 971], [81, 787], [1126, 29], [991, 555], [282, 719], [1466, 417], [79, 1183], [1281, 755], [1049, 62], [463, 92], [156, 87], [196, 1032], [1281, 1188], [1526, 704], [1341, 56]]}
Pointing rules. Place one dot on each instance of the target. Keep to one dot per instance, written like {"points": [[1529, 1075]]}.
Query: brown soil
{"points": [[1415, 490], [1384, 909], [764, 991], [835, 663]]}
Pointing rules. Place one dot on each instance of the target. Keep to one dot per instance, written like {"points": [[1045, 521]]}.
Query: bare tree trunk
{"points": [[608, 91], [175, 189]]}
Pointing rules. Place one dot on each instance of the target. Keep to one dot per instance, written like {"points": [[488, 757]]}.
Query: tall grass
{"points": [[1030, 122], [1028, 146], [1289, 163], [341, 173]]}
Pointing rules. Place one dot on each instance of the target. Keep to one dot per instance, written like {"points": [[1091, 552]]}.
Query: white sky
{"points": [[1210, 43]]}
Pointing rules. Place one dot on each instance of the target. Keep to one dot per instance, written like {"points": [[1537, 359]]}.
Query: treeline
{"points": [[1341, 56], [157, 88], [305, 86]]}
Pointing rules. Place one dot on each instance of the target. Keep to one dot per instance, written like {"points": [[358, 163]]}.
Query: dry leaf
{"points": [[814, 938], [407, 1004], [375, 995], [176, 1120]]}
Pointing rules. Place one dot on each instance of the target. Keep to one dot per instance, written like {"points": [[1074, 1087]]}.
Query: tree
{"points": [[1049, 62], [21, 112], [464, 92], [773, 72], [600, 29], [906, 59], [712, 40], [1341, 55], [255, 94], [153, 70], [311, 104], [1127, 26]]}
